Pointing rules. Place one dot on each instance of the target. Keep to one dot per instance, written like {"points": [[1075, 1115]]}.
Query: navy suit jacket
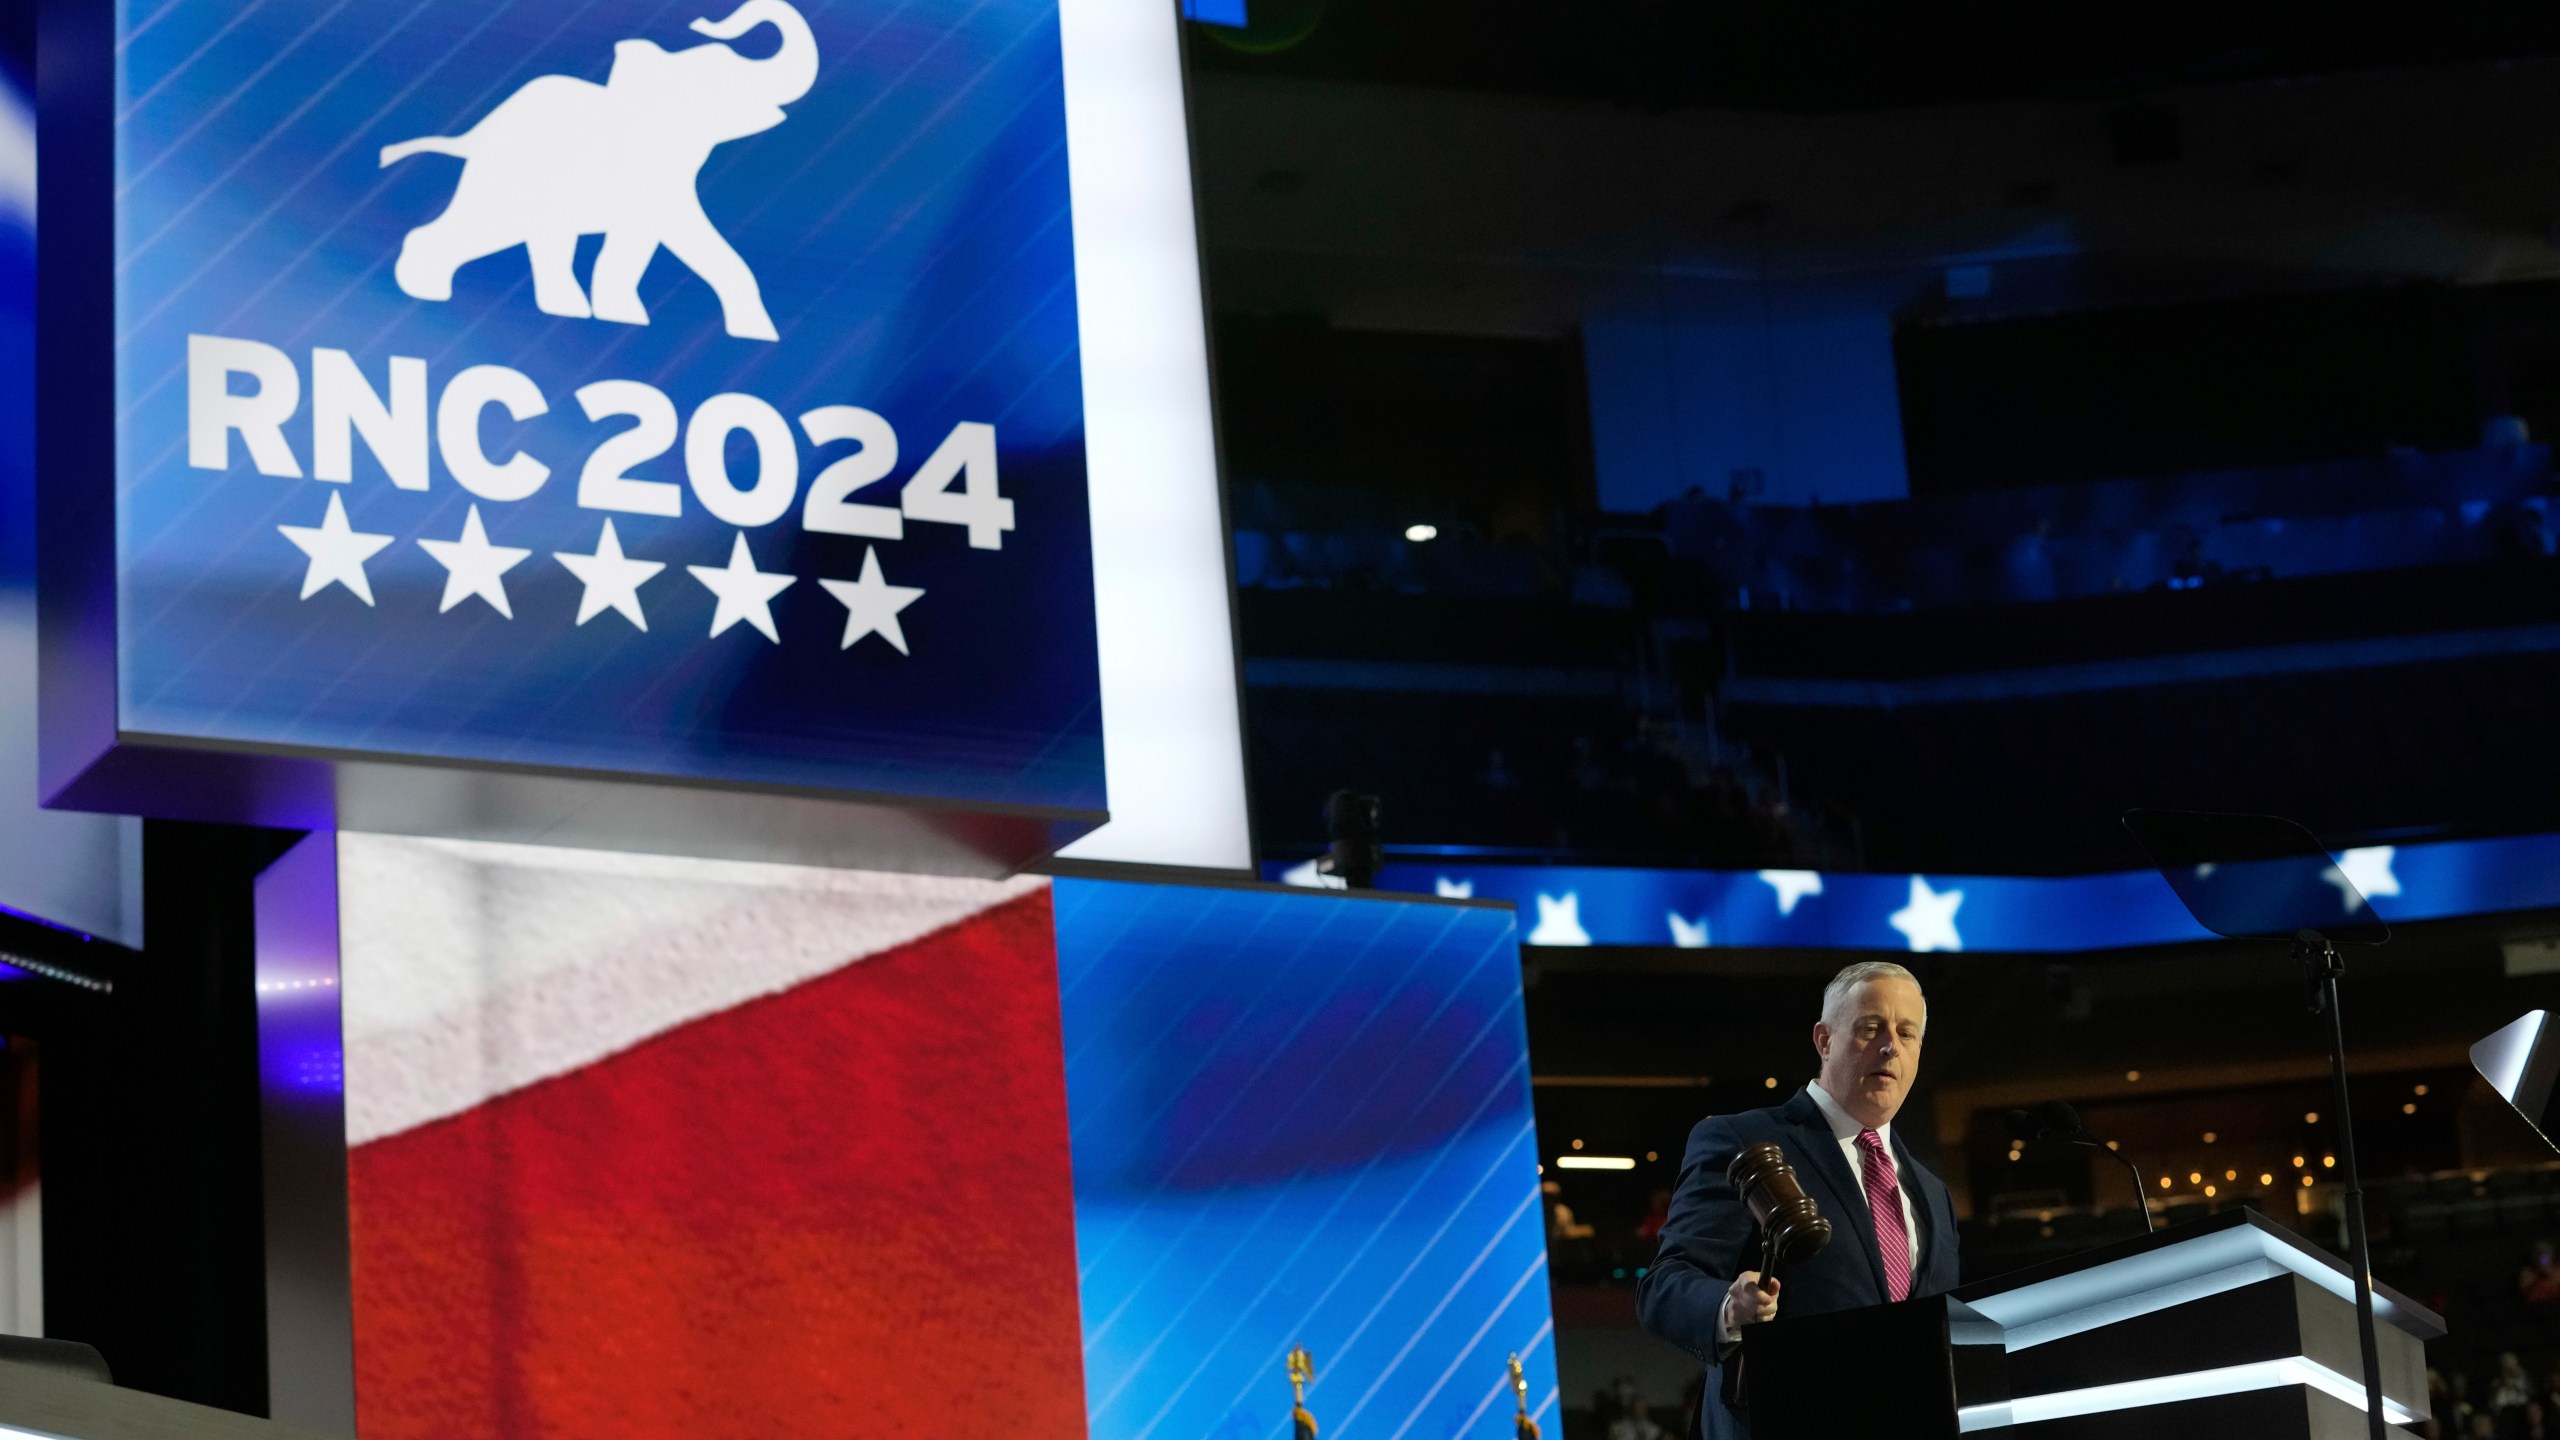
{"points": [[1709, 1238]]}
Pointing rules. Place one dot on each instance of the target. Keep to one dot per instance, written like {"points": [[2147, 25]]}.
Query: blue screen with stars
{"points": [[1565, 905]]}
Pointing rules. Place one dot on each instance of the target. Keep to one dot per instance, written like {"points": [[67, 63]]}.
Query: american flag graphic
{"points": [[659, 1149]]}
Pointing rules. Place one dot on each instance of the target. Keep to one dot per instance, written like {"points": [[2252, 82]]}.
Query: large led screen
{"points": [[1301, 1120], [649, 1149], [646, 1147], [672, 390]]}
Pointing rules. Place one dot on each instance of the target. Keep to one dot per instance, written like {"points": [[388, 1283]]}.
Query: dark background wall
{"points": [[2207, 385], [153, 1246]]}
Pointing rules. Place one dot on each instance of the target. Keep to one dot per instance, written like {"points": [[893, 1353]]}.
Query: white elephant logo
{"points": [[564, 157]]}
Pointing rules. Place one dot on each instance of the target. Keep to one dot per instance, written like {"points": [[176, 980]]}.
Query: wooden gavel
{"points": [[1792, 1227]]}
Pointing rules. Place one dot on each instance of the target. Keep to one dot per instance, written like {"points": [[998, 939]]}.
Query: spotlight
{"points": [[1351, 821], [1420, 533]]}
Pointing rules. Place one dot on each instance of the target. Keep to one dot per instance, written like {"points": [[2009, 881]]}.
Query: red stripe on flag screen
{"points": [[841, 1208]]}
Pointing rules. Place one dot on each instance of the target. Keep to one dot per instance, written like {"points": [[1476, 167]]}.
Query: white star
{"points": [[1308, 875], [746, 593], [2365, 872], [1792, 886], [337, 553], [1686, 933], [612, 579], [1560, 921], [472, 566], [871, 605], [1929, 921], [1448, 889]]}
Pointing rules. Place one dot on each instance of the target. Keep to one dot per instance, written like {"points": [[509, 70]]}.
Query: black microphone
{"points": [[2064, 1122], [2054, 1120]]}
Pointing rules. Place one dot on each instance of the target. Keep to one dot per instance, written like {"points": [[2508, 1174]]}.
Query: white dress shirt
{"points": [[1846, 1127]]}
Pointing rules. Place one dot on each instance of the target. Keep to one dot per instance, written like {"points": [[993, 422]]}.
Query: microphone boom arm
{"points": [[2149, 1227], [2055, 1120]]}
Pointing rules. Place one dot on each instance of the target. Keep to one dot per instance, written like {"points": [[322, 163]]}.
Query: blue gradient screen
{"points": [[1301, 1120], [682, 389]]}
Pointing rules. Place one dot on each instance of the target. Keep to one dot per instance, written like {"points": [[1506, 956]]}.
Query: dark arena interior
{"points": [[1824, 534]]}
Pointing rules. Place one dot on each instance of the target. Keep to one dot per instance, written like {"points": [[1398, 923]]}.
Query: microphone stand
{"points": [[2057, 1121], [2322, 966], [2283, 870], [2089, 1141]]}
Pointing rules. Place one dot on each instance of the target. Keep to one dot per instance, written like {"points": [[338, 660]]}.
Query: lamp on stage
{"points": [[2522, 1063], [2259, 877]]}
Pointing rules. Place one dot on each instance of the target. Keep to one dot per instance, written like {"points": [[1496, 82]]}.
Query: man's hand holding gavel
{"points": [[1792, 1223], [1748, 1301]]}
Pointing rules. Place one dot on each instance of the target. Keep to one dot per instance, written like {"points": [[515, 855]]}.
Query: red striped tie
{"points": [[1884, 1197]]}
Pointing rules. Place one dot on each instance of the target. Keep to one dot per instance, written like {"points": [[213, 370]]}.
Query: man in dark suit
{"points": [[1893, 1225]]}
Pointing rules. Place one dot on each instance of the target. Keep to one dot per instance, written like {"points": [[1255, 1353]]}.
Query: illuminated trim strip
{"points": [[2206, 1265], [2185, 1290], [47, 971], [1172, 736], [1595, 1162], [2169, 1389]]}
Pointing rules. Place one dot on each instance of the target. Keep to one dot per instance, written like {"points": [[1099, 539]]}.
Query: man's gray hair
{"points": [[1836, 994]]}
